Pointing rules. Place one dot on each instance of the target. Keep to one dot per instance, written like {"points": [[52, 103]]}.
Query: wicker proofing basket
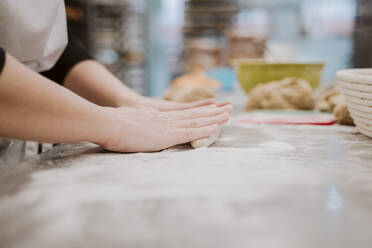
{"points": [[356, 87]]}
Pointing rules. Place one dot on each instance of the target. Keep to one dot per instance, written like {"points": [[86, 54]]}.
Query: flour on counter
{"points": [[277, 146]]}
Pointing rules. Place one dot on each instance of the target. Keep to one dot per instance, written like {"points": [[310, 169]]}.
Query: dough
{"points": [[195, 79], [328, 100], [342, 114], [290, 93], [205, 142], [332, 101], [188, 94], [191, 87]]}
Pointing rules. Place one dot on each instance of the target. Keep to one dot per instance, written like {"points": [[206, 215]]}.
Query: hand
{"points": [[163, 105], [147, 130]]}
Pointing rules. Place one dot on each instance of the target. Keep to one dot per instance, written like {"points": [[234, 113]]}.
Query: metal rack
{"points": [[205, 30], [115, 33], [208, 17]]}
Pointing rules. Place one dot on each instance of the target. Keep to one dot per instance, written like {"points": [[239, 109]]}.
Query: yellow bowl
{"points": [[253, 72]]}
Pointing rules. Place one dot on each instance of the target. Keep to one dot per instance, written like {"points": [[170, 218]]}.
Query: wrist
{"points": [[130, 100], [105, 126]]}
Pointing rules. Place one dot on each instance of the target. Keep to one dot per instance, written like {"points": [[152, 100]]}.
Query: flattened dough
{"points": [[206, 142]]}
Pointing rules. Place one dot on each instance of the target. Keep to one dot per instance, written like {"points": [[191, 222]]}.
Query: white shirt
{"points": [[35, 33]]}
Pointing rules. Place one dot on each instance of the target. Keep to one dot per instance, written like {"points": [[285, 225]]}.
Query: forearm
{"points": [[76, 70], [34, 108], [94, 82]]}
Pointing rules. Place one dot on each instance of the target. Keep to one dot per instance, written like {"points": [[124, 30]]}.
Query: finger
{"points": [[184, 106], [201, 112], [184, 135], [203, 122], [226, 103], [200, 103], [221, 104]]}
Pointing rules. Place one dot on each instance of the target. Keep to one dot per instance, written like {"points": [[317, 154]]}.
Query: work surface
{"points": [[258, 186]]}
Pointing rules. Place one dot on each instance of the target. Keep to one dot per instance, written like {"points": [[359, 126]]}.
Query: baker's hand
{"points": [[164, 105], [138, 101], [147, 130]]}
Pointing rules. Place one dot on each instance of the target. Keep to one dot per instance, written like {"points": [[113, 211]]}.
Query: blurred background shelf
{"points": [[147, 43], [115, 33]]}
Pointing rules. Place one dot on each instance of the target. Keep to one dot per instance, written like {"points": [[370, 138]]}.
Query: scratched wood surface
{"points": [[258, 186]]}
